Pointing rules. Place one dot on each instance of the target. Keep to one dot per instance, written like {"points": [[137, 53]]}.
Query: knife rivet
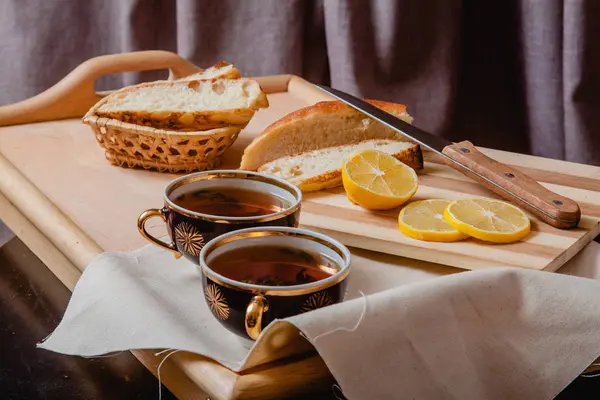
{"points": [[465, 150], [509, 175], [557, 202]]}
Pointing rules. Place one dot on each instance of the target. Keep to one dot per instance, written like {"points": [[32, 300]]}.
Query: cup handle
{"points": [[141, 224], [254, 312]]}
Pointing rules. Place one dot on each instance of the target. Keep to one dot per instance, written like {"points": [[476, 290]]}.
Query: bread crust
{"points": [[182, 121], [234, 73], [251, 158], [331, 107]]}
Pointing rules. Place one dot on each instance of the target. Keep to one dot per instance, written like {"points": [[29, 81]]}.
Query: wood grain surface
{"points": [[59, 194]]}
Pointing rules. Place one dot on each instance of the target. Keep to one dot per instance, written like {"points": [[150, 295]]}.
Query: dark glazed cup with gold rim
{"points": [[189, 229], [244, 276]]}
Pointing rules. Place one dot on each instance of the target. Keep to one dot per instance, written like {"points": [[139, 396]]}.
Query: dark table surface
{"points": [[32, 302]]}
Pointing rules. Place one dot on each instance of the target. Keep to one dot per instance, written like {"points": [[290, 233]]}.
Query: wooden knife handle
{"points": [[513, 185]]}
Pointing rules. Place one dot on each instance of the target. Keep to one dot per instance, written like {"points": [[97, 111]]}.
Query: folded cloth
{"points": [[491, 334]]}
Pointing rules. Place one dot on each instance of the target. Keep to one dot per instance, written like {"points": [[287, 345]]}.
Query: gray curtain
{"points": [[520, 75]]}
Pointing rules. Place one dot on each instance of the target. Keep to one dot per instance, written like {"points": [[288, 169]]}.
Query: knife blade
{"points": [[507, 182]]}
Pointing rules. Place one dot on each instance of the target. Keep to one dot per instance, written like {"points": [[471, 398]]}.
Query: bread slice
{"points": [[186, 106], [221, 70], [325, 124], [322, 169]]}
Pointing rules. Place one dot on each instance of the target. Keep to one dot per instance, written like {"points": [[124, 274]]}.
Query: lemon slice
{"points": [[488, 219], [424, 220], [377, 181]]}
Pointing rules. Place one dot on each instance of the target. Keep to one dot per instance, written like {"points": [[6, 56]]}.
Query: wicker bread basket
{"points": [[130, 145], [126, 144]]}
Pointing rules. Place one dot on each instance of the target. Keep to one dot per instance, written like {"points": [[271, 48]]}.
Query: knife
{"points": [[509, 183]]}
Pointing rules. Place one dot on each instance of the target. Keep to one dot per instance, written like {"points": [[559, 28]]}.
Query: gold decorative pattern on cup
{"points": [[317, 300], [217, 301], [189, 238]]}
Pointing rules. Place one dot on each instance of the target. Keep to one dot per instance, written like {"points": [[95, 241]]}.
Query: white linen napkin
{"points": [[493, 334]]}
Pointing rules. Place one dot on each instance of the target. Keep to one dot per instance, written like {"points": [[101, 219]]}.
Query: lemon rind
{"points": [[428, 235], [488, 236]]}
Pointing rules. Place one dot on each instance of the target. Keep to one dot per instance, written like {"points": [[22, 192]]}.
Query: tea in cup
{"points": [[253, 276], [201, 206]]}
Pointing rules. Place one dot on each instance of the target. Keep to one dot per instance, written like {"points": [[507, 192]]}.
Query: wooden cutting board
{"points": [[546, 248], [79, 169]]}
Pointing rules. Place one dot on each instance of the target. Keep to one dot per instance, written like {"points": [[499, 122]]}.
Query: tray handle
{"points": [[74, 94]]}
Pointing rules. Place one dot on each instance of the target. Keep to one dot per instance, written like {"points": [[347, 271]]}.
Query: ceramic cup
{"points": [[246, 309], [189, 231]]}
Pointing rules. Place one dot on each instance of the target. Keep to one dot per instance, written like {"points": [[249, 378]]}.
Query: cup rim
{"points": [[239, 174], [292, 290]]}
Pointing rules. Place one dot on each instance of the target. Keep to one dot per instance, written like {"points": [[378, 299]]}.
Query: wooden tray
{"points": [[70, 147], [68, 204]]}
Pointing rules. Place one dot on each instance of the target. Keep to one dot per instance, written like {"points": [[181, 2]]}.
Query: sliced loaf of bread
{"points": [[221, 70], [186, 106], [321, 169], [325, 124]]}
